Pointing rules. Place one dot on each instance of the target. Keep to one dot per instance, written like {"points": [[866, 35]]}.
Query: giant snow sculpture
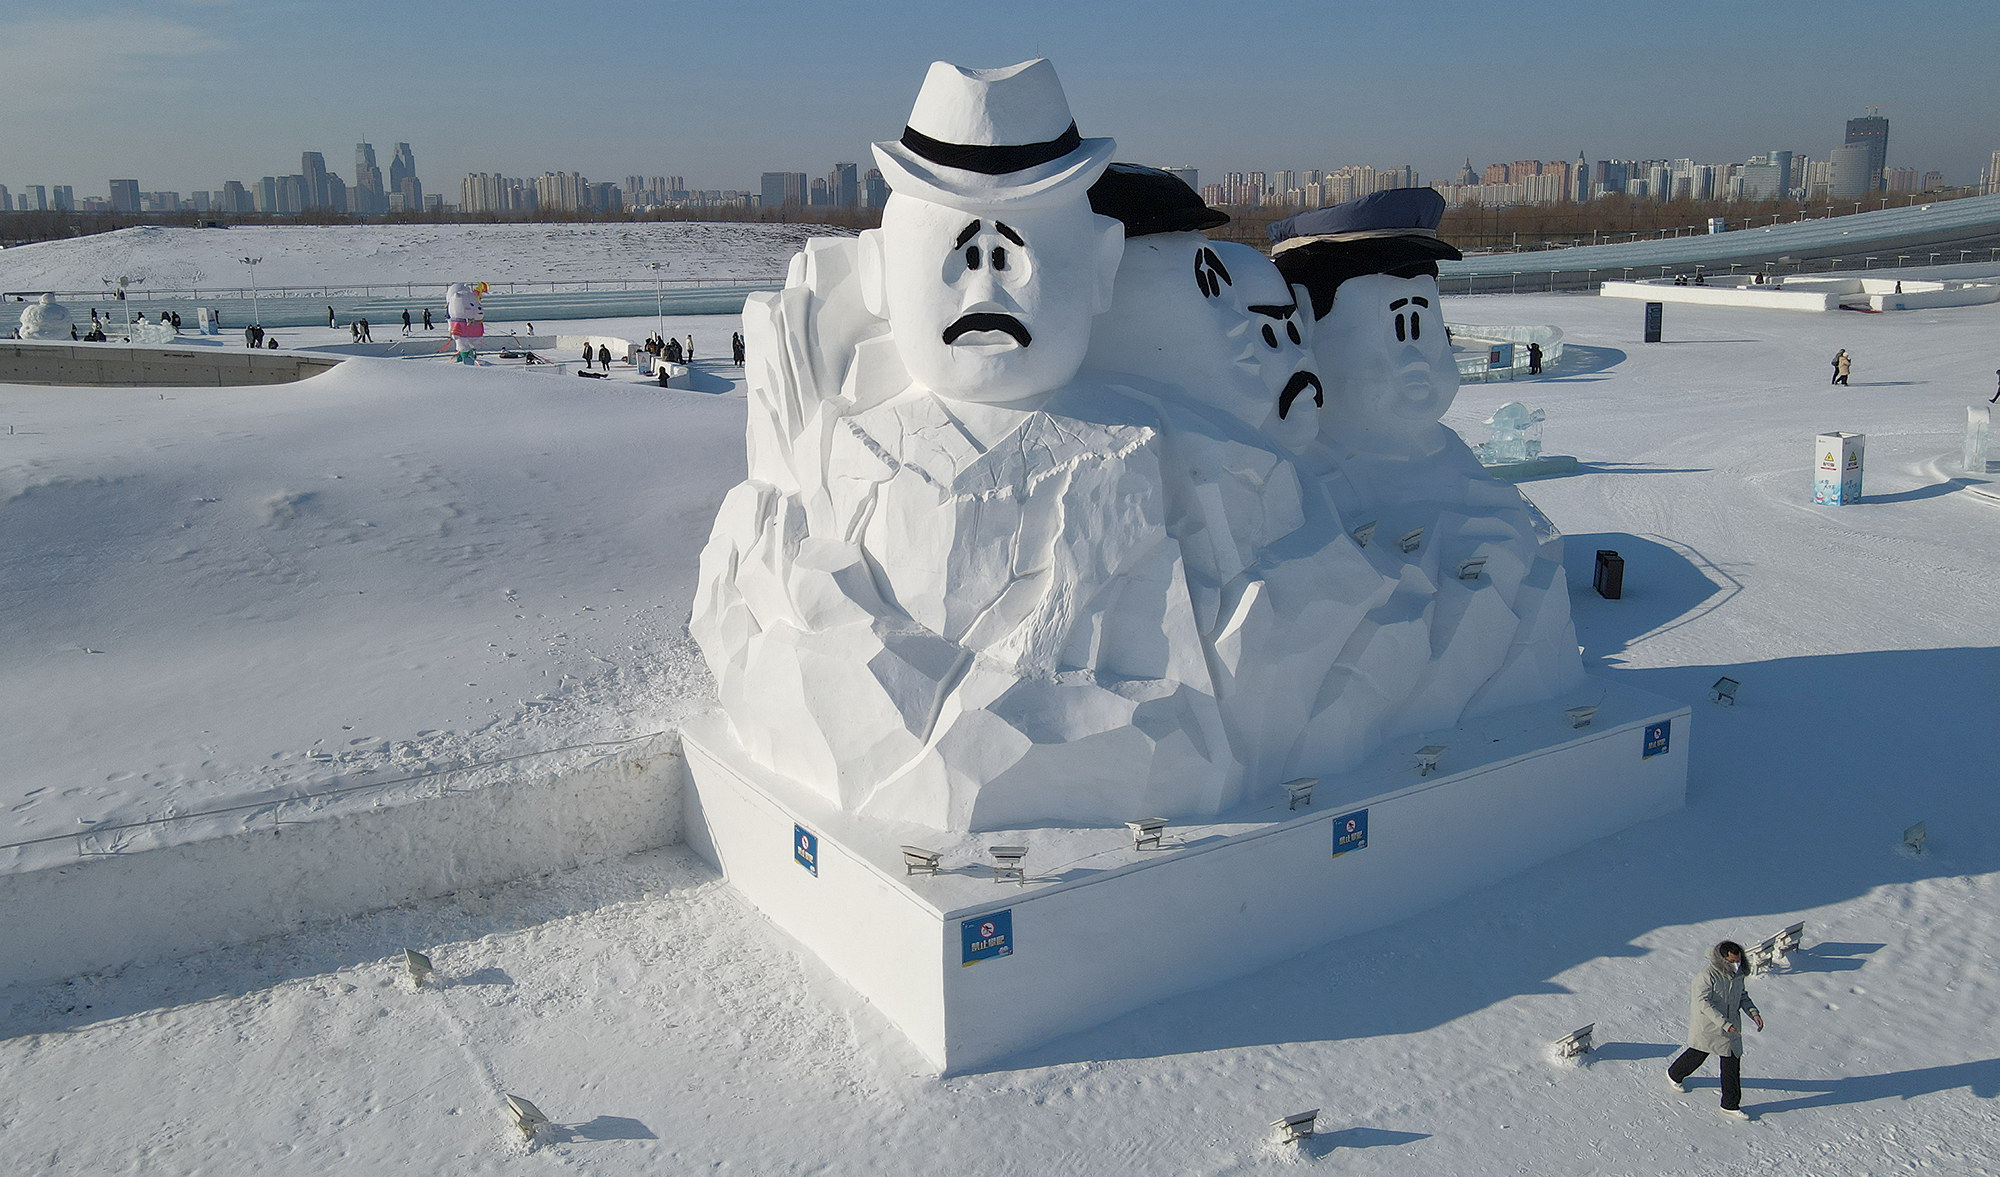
{"points": [[45, 318], [1051, 515]]}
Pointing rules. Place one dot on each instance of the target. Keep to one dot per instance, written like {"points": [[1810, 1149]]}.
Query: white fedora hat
{"points": [[991, 137]]}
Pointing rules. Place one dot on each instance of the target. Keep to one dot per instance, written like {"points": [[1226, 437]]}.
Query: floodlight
{"points": [[1007, 863], [419, 966], [1581, 716], [919, 861], [1724, 691], [1364, 533], [1301, 791], [527, 1117], [1147, 829], [1411, 540], [1427, 758], [1471, 569], [1575, 1042], [1296, 1127], [1915, 837]]}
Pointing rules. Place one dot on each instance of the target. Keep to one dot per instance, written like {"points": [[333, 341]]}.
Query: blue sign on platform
{"points": [[1656, 738], [805, 849], [986, 937], [1350, 833]]}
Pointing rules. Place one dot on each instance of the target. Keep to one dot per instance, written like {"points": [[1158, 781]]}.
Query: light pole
{"points": [[659, 299], [256, 316]]}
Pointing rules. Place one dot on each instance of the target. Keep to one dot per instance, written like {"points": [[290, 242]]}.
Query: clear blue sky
{"points": [[184, 94]]}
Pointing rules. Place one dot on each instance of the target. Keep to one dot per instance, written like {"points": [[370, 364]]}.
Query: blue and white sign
{"points": [[805, 849], [986, 937], [1656, 738], [1350, 833]]}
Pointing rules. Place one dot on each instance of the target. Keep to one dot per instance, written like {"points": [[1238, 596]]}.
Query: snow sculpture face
{"points": [[462, 302], [1218, 320], [990, 305], [1385, 358]]}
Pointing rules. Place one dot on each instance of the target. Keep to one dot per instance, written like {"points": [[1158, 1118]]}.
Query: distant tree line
{"points": [[1469, 226]]}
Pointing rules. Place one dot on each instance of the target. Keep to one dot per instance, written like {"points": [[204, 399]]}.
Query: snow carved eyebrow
{"points": [[967, 234], [1419, 300]]}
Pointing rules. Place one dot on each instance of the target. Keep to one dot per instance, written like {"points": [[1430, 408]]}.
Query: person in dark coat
{"points": [[1996, 392], [329, 316], [604, 357], [1534, 359], [406, 320], [427, 318], [1716, 1005], [588, 355]]}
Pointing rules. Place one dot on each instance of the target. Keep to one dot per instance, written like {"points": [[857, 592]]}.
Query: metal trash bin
{"points": [[1609, 579]]}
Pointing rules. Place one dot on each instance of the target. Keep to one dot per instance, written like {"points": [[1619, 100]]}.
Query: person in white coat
{"points": [[1716, 1007]]}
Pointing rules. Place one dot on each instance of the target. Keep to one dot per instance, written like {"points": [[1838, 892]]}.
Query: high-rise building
{"points": [[875, 189], [1871, 132], [843, 185], [367, 198], [6, 201], [236, 198], [1992, 184], [124, 196], [312, 166], [63, 198], [1852, 175], [1189, 176], [267, 195], [36, 198], [403, 177], [783, 188]]}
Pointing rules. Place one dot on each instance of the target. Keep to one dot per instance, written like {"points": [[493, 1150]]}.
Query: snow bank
{"points": [[299, 867]]}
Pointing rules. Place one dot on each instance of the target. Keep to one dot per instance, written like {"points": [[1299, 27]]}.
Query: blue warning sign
{"points": [[1350, 832], [1656, 739], [986, 937], [805, 849]]}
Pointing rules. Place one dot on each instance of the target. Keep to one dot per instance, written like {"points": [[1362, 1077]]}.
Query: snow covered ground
{"points": [[395, 255], [209, 594]]}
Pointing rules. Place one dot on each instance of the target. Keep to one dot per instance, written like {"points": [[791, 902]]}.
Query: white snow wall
{"points": [[107, 911]]}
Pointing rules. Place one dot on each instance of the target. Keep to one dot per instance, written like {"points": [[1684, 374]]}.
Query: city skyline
{"points": [[721, 94]]}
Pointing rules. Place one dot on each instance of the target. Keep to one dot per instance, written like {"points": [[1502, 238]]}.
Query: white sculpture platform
{"points": [[972, 970]]}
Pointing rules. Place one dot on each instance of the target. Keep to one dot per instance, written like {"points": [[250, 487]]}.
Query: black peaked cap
{"points": [[1149, 200]]}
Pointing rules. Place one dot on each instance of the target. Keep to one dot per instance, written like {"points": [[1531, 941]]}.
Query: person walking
{"points": [[406, 320], [1842, 363], [604, 357], [588, 355], [427, 318], [1716, 1005], [329, 316], [690, 348]]}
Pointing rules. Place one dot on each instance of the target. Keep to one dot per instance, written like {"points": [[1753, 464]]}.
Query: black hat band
{"points": [[991, 161]]}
